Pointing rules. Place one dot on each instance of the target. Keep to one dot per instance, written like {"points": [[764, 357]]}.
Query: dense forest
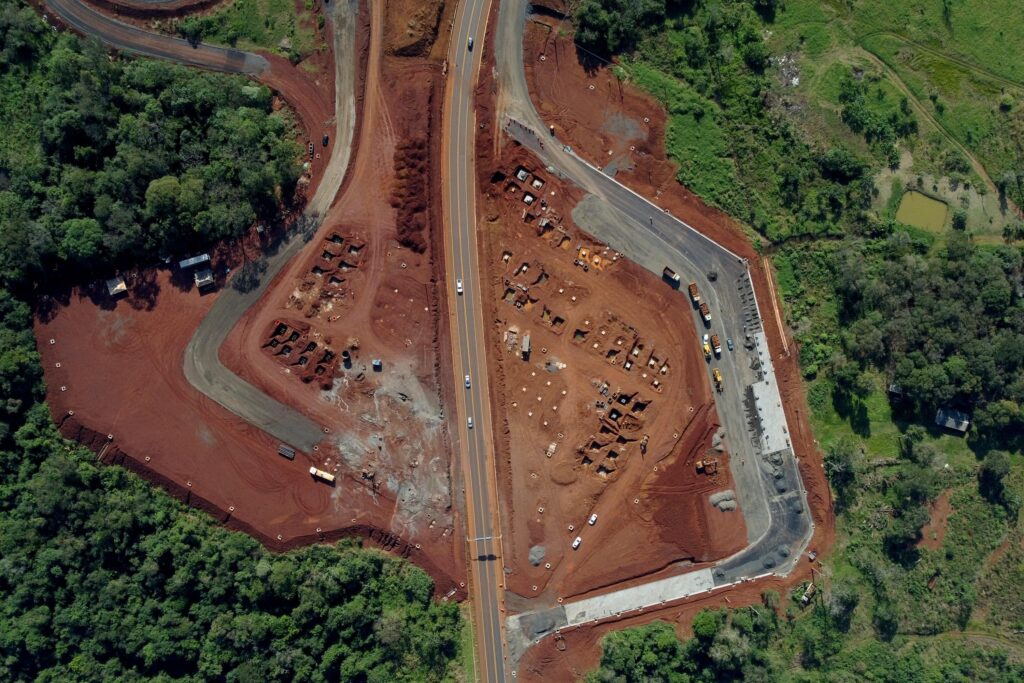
{"points": [[893, 322], [106, 163], [755, 646]]}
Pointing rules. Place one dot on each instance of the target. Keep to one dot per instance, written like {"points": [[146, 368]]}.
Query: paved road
{"points": [[88, 21], [202, 365], [767, 479], [483, 529]]}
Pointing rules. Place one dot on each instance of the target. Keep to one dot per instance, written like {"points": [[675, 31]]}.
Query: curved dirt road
{"points": [[202, 365]]}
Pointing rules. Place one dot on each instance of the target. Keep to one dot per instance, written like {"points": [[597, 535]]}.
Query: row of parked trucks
{"points": [[712, 344]]}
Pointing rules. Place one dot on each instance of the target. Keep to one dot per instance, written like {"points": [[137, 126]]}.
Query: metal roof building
{"points": [[116, 286], [953, 419], [194, 261]]}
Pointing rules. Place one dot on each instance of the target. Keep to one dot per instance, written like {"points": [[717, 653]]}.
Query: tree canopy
{"points": [[114, 162], [107, 162]]}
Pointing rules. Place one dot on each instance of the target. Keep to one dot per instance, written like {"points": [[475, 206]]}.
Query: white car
{"points": [[593, 519], [469, 43], [576, 543], [707, 338], [467, 381], [458, 286], [469, 422]]}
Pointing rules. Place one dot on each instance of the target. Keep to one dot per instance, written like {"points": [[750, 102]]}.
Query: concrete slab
{"points": [[647, 595]]}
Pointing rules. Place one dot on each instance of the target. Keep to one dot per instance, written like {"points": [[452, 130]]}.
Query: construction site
{"points": [[608, 414], [307, 385], [348, 334]]}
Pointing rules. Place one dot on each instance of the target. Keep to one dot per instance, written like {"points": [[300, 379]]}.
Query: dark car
{"points": [[326, 140]]}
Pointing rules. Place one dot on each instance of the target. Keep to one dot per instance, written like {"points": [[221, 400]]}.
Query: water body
{"points": [[922, 211]]}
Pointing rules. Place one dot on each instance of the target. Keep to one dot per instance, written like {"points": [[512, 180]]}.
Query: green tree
{"points": [[994, 468], [82, 241]]}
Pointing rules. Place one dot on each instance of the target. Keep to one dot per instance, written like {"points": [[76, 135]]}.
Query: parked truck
{"points": [[321, 475], [705, 313], [717, 374], [716, 346], [694, 293], [671, 277]]}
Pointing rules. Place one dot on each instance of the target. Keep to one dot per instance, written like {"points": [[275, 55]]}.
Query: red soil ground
{"points": [[148, 10], [576, 394], [596, 121], [360, 291], [934, 531], [116, 367]]}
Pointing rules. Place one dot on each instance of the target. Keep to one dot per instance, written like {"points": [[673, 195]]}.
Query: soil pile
{"points": [[412, 26], [410, 193]]}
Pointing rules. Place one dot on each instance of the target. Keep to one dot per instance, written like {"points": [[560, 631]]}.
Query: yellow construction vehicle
{"points": [[707, 466], [718, 378]]}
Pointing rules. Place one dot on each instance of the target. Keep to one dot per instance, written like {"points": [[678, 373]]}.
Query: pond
{"points": [[922, 211]]}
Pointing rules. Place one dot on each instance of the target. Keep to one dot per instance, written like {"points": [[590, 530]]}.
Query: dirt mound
{"points": [[412, 26], [410, 192]]}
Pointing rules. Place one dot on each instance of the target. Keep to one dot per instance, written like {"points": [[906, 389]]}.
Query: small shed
{"points": [[116, 286], [954, 420]]}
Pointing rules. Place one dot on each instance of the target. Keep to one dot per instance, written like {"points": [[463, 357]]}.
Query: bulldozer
{"points": [[707, 466]]}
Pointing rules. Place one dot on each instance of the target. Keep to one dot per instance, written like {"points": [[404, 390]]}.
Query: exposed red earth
{"points": [[115, 376], [147, 9], [597, 113], [609, 411], [605, 118]]}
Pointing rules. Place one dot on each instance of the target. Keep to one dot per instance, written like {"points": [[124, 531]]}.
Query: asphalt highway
{"points": [[468, 331]]}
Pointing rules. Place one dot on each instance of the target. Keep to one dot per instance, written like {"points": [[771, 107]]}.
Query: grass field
{"points": [[467, 645], [957, 70], [276, 25]]}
